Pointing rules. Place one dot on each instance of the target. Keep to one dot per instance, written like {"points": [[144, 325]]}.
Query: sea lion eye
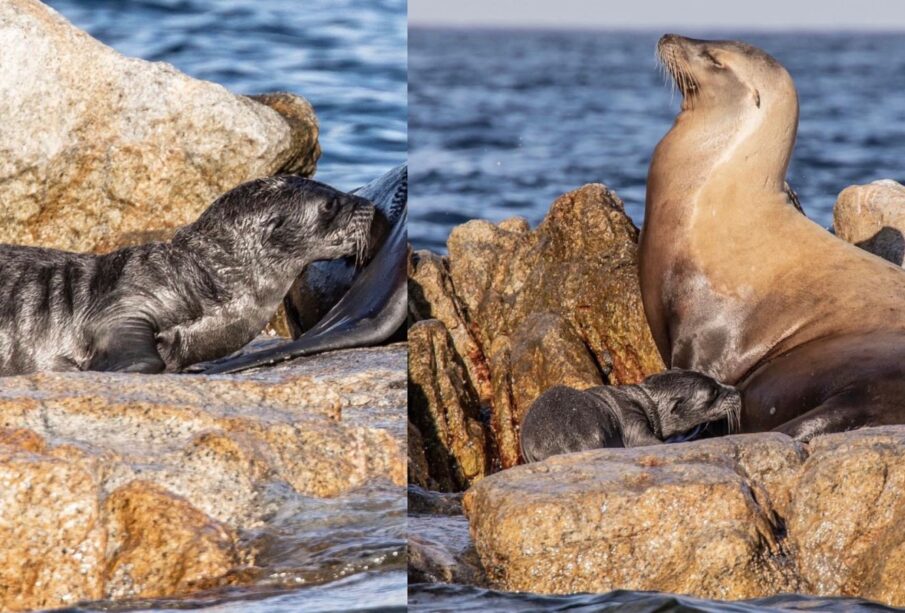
{"points": [[273, 224], [709, 56], [330, 206]]}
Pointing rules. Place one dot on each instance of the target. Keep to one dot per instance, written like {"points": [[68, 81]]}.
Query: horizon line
{"points": [[580, 27]]}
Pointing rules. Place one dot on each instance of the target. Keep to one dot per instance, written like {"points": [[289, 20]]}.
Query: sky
{"points": [[660, 14]]}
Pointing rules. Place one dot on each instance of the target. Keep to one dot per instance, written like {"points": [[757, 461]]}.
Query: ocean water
{"points": [[424, 598], [502, 122], [348, 58]]}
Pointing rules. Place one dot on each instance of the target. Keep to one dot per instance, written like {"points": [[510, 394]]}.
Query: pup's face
{"points": [[292, 221], [685, 399]]}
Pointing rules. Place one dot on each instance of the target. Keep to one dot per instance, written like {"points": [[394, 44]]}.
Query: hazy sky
{"points": [[659, 14]]}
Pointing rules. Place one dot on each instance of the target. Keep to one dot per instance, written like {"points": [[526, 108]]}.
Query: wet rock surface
{"points": [[440, 549], [100, 150], [735, 517], [525, 310], [124, 486], [872, 216]]}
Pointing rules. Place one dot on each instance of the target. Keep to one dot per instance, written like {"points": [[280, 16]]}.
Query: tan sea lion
{"points": [[738, 284]]}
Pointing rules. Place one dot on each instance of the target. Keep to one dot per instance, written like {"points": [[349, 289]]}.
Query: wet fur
{"points": [[564, 420], [163, 306]]}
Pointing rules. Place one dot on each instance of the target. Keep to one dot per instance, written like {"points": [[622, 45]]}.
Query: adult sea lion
{"points": [[664, 405], [163, 306], [738, 284]]}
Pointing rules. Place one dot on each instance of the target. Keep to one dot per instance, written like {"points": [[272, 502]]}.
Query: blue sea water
{"points": [[503, 121], [348, 58]]}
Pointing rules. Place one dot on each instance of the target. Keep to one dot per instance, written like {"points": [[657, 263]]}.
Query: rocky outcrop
{"points": [[444, 409], [526, 310], [728, 518], [872, 216], [691, 519], [122, 486], [100, 150], [847, 514]]}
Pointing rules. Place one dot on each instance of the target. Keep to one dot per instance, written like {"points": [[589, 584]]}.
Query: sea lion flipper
{"points": [[128, 345]]}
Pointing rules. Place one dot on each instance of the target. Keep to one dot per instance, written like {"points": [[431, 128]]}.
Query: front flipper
{"points": [[126, 345], [841, 413], [372, 310]]}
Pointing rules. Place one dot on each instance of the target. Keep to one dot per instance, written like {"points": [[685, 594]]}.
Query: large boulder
{"points": [[123, 486], [526, 310], [872, 216], [697, 518], [847, 516], [100, 150], [728, 518]]}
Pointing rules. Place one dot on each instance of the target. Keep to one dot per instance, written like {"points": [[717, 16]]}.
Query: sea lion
{"points": [[664, 405], [350, 307], [739, 285], [162, 306]]}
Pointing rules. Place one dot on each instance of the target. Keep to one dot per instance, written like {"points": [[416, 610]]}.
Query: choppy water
{"points": [[502, 122], [314, 554], [347, 57], [440, 598]]}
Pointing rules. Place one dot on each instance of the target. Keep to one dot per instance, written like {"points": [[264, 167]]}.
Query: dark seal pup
{"points": [[739, 285], [162, 306], [336, 305], [668, 404]]}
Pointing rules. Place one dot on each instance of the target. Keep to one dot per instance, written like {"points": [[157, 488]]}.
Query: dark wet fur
{"points": [[564, 420], [371, 304], [161, 306]]}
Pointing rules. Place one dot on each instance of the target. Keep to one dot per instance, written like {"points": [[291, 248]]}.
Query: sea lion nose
{"points": [[673, 41]]}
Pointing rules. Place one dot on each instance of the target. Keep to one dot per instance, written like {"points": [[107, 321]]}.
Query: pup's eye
{"points": [[676, 405], [273, 224], [709, 57], [330, 206]]}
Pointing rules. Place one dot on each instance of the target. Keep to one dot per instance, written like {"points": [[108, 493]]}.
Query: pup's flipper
{"points": [[127, 345]]}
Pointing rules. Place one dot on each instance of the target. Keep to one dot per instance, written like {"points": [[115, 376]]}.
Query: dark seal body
{"points": [[163, 306], [665, 405], [738, 284]]}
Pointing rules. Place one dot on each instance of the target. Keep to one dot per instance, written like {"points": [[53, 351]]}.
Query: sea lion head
{"points": [[725, 75], [292, 221], [684, 399]]}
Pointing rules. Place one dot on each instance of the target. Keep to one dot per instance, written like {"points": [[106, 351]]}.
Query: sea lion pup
{"points": [[739, 285], [564, 419], [162, 306], [336, 305]]}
